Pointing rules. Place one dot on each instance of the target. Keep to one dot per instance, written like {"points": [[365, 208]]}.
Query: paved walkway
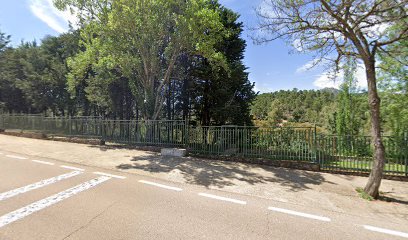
{"points": [[325, 191]]}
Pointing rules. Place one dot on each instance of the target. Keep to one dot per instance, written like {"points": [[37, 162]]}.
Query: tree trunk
{"points": [[374, 180]]}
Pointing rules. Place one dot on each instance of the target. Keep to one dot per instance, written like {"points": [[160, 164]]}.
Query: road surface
{"points": [[51, 199]]}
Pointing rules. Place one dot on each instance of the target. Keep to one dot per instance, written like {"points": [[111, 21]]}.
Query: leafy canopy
{"points": [[142, 39]]}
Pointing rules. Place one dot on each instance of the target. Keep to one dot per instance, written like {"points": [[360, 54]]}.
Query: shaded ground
{"points": [[212, 173], [323, 190]]}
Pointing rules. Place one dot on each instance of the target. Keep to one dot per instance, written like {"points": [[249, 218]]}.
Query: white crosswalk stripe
{"points": [[72, 168], [40, 184], [300, 214], [386, 231], [43, 162], [16, 157], [46, 202]]}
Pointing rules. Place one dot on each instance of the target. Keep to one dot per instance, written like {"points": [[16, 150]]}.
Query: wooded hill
{"points": [[333, 111]]}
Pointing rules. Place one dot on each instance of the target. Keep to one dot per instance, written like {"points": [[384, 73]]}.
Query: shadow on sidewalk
{"points": [[392, 199], [221, 174]]}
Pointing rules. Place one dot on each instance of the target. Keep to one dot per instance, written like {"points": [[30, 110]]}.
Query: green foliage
{"points": [[4, 41], [135, 59], [351, 109], [296, 106], [363, 194], [11, 97], [33, 79], [342, 112], [222, 95], [142, 40], [393, 79]]}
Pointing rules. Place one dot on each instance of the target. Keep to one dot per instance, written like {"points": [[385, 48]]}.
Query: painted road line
{"points": [[46, 202], [16, 157], [43, 162], [109, 175], [161, 185], [222, 198], [72, 168], [40, 184], [386, 231], [300, 214]]}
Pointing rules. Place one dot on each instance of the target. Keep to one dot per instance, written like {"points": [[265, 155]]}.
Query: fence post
{"points": [[405, 139], [315, 144], [103, 133], [70, 125], [406, 165], [186, 133], [43, 123]]}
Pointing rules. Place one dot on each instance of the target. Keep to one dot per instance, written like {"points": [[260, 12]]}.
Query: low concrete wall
{"points": [[174, 152]]}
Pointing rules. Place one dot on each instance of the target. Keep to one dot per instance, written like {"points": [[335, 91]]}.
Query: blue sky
{"points": [[271, 66]]}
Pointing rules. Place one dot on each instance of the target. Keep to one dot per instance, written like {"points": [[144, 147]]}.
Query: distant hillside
{"points": [[335, 91], [296, 106]]}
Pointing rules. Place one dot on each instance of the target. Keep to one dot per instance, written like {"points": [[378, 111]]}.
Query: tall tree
{"points": [[4, 40], [221, 96], [393, 76], [348, 28], [346, 117], [143, 39], [12, 98]]}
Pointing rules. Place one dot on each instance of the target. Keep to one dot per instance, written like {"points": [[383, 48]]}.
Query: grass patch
{"points": [[363, 194], [367, 165]]}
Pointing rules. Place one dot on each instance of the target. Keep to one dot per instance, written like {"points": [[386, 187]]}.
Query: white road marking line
{"points": [[306, 215], [109, 175], [387, 231], [161, 185], [40, 184], [222, 198], [43, 162], [72, 168], [16, 157], [46, 202]]}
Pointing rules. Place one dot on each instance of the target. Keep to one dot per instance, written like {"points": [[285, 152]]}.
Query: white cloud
{"points": [[265, 9], [330, 80], [297, 44], [55, 19], [262, 88], [307, 66]]}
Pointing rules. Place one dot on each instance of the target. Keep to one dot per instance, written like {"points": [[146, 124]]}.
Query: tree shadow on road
{"points": [[221, 174]]}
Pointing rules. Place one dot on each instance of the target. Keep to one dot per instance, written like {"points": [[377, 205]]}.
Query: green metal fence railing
{"points": [[331, 152]]}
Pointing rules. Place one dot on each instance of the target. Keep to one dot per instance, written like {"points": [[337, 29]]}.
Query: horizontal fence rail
{"points": [[331, 152]]}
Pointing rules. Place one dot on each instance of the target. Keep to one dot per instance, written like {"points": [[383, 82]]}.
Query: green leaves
{"points": [[142, 40], [4, 41]]}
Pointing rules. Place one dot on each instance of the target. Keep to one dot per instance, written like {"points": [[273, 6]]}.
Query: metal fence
{"points": [[272, 143], [331, 152], [355, 153]]}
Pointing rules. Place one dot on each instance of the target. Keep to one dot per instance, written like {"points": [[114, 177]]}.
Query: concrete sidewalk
{"points": [[318, 190]]}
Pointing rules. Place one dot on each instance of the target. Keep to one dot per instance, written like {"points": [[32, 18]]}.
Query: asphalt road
{"points": [[50, 199]]}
